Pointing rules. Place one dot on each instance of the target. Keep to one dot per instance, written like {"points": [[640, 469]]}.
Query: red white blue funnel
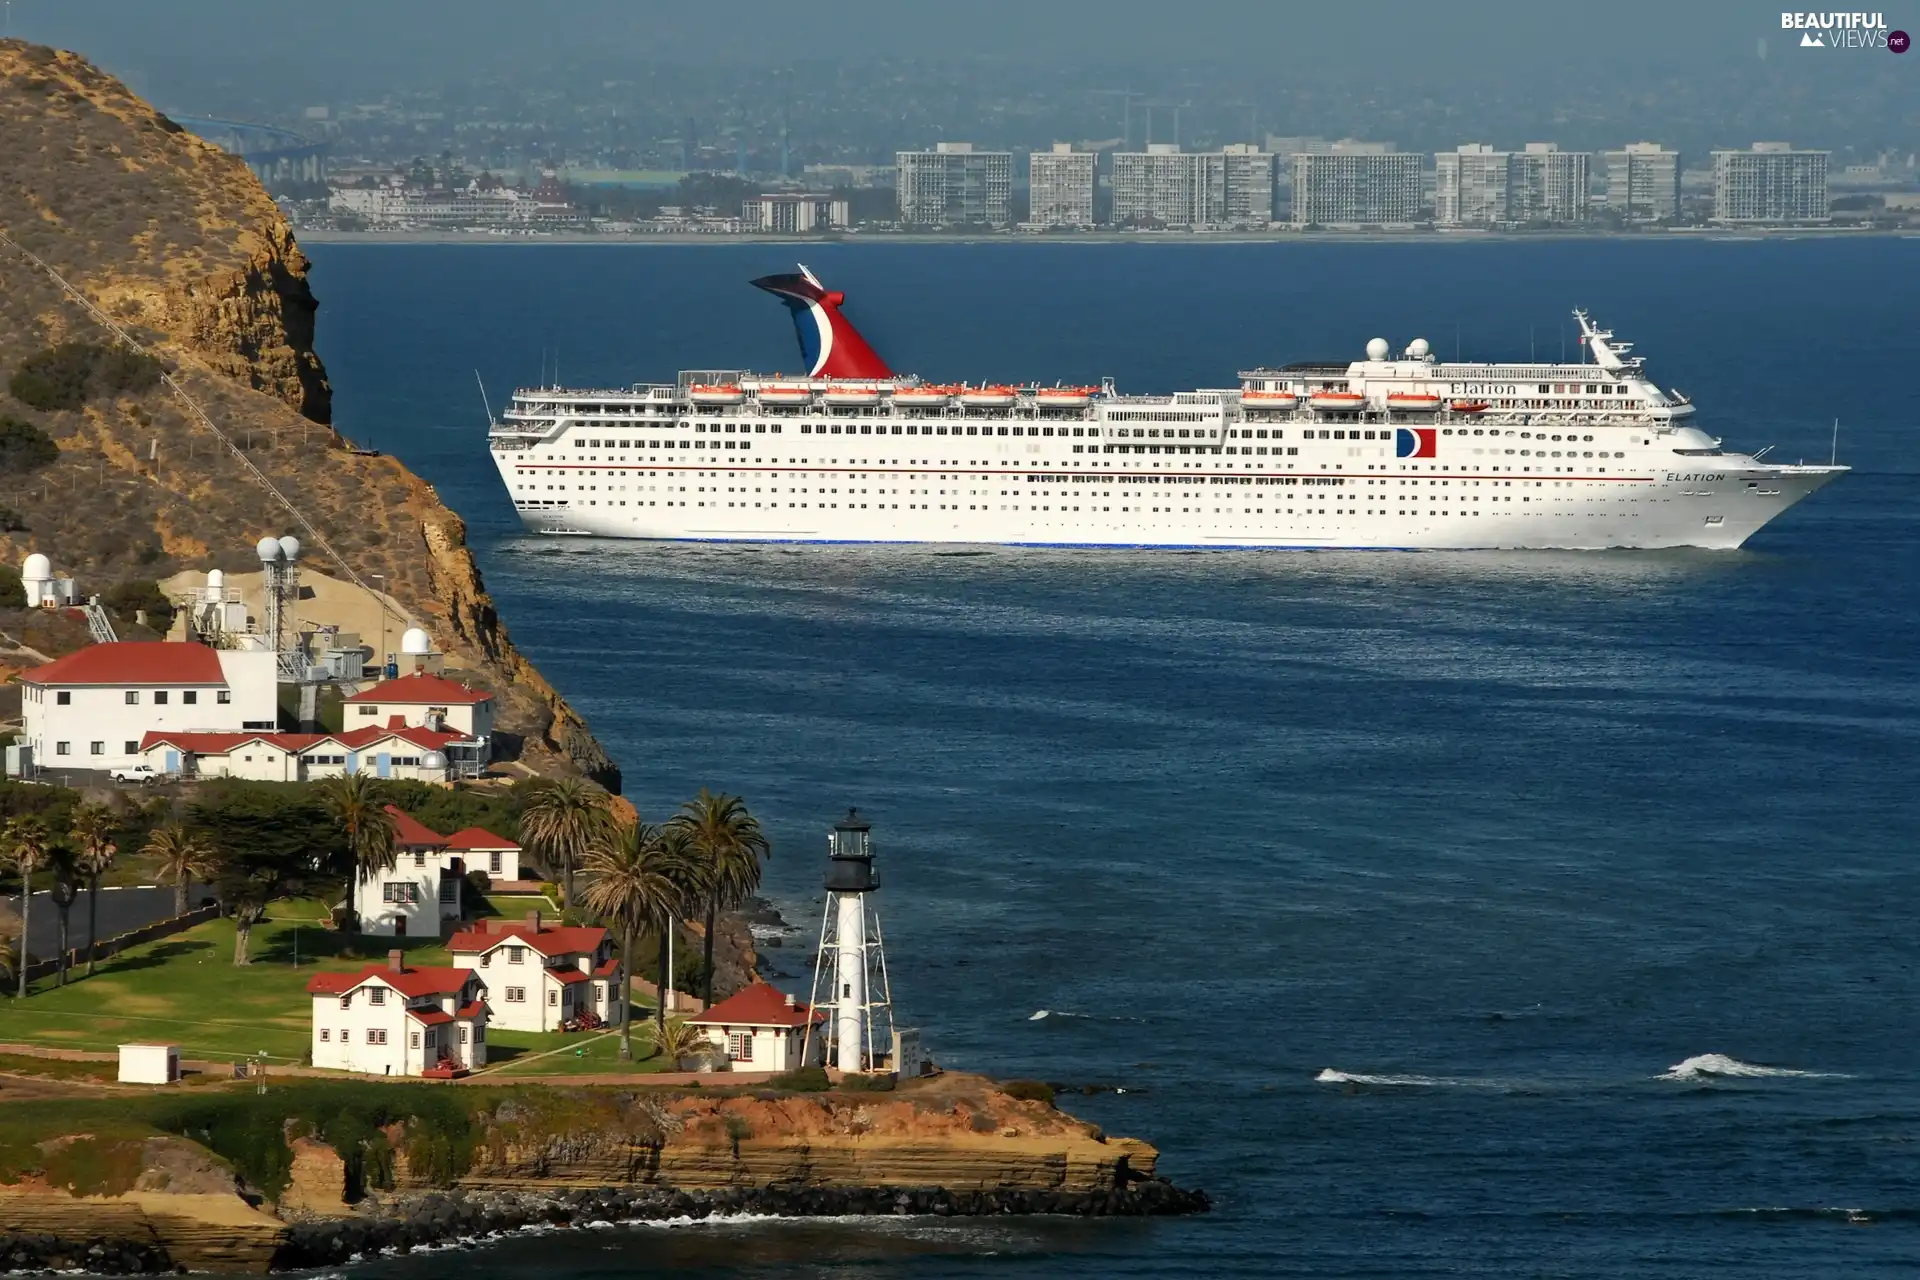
{"points": [[829, 343]]}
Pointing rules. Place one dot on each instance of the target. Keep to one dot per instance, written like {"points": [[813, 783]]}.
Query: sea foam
{"points": [[1712, 1066]]}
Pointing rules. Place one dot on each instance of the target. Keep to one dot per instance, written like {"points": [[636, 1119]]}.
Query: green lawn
{"points": [[512, 1053], [186, 990]]}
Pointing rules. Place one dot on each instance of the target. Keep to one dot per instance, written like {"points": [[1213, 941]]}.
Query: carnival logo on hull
{"points": [[1842, 31]]}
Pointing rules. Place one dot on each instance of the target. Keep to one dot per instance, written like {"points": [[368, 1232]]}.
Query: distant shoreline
{"points": [[1718, 234]]}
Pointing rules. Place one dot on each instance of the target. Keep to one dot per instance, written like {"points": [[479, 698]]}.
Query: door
{"points": [[173, 762], [400, 923], [383, 765], [353, 762]]}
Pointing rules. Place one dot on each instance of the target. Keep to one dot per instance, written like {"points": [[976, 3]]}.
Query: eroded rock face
{"points": [[175, 240]]}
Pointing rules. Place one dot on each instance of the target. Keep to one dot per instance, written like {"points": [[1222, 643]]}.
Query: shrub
{"points": [[882, 1083], [62, 377], [24, 447], [802, 1080], [1029, 1091], [128, 598], [10, 520], [12, 594]]}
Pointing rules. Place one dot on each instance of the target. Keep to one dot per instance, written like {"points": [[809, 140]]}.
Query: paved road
{"points": [[120, 910]]}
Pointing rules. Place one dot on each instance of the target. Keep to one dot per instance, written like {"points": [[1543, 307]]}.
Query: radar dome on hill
{"points": [[290, 547], [1377, 349], [268, 549], [216, 580], [37, 569], [416, 642]]}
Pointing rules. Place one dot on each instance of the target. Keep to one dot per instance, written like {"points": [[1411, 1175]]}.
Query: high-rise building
{"points": [[1165, 186], [794, 211], [1643, 182], [1470, 186], [1247, 175], [1546, 184], [1060, 187], [1770, 183], [1348, 189], [954, 185]]}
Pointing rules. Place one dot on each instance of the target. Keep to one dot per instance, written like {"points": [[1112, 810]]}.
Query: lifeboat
{"points": [[1269, 399], [723, 394], [784, 393], [1412, 402], [851, 397], [1064, 397], [925, 396], [988, 397], [1470, 406], [1337, 401]]}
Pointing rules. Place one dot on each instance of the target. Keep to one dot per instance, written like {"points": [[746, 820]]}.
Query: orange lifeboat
{"points": [[993, 396], [1470, 406], [784, 393], [725, 393], [1064, 397], [1269, 399], [851, 396], [926, 395], [1412, 402], [1337, 401]]}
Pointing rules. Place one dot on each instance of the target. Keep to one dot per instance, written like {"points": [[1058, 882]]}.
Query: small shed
{"points": [[149, 1063]]}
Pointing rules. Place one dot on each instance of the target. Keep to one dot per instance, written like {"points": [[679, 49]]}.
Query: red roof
{"points": [[473, 1010], [567, 977], [408, 831], [479, 840], [551, 940], [217, 744], [431, 1017], [408, 982], [423, 689], [611, 969], [760, 1005], [130, 662]]}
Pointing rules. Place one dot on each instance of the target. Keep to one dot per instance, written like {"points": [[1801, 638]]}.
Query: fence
{"points": [[113, 946]]}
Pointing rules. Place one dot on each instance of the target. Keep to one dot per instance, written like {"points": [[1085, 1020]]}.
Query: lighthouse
{"points": [[850, 971]]}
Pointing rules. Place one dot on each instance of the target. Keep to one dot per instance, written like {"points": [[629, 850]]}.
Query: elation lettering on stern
{"points": [[1837, 30]]}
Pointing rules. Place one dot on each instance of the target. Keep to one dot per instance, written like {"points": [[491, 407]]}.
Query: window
{"points": [[553, 997], [479, 1034], [326, 1034], [346, 1001], [190, 697], [447, 888], [516, 995], [63, 748], [377, 995], [486, 959], [399, 891], [133, 748], [377, 1036], [365, 711], [133, 697], [63, 699], [463, 1035], [419, 858], [516, 955], [740, 1046], [599, 992], [413, 1041], [223, 697], [97, 748], [493, 863], [159, 697]]}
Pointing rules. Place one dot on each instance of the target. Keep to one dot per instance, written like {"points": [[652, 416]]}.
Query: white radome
{"points": [[216, 580], [1377, 349], [434, 760], [37, 569], [290, 547], [416, 641], [268, 549], [1418, 349]]}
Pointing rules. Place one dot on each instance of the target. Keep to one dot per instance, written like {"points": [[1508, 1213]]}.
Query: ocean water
{"points": [[1441, 915]]}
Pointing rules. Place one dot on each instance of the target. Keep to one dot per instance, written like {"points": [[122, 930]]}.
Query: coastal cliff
{"points": [[299, 1179], [177, 242]]}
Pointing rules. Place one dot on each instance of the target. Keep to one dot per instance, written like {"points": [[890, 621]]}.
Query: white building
{"points": [[481, 850], [418, 755], [1356, 189], [1247, 177], [954, 185], [1470, 186], [423, 700], [1546, 184], [796, 212], [421, 891], [1060, 187], [542, 975], [1165, 186], [1643, 182], [393, 1020], [763, 1029], [1770, 183], [92, 708]]}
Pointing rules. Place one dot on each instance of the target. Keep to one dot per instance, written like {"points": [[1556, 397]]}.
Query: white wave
{"points": [[1331, 1076], [1709, 1066], [1039, 1014]]}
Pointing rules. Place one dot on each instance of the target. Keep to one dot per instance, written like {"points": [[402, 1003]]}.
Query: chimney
{"points": [[533, 921], [791, 1002], [397, 961]]}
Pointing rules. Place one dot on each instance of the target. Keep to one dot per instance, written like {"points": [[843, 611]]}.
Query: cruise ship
{"points": [[1395, 450]]}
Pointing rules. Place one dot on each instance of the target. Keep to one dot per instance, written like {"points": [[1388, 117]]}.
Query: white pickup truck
{"points": [[133, 773]]}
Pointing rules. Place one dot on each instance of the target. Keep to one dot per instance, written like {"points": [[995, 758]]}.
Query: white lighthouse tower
{"points": [[850, 972]]}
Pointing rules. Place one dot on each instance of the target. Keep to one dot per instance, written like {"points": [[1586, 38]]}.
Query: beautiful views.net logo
{"points": [[1844, 31]]}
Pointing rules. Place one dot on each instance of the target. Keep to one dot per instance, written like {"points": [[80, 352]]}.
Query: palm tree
{"points": [[675, 1039], [728, 843], [67, 880], [689, 875], [94, 827], [631, 884], [358, 804], [561, 821], [183, 859], [9, 939], [26, 843]]}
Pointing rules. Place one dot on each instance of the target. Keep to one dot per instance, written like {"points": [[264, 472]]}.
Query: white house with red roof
{"points": [[420, 892], [421, 699], [398, 1020], [542, 975], [94, 707], [416, 754], [485, 851], [763, 1029]]}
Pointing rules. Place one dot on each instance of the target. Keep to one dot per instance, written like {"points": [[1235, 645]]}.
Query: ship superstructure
{"points": [[1394, 450]]}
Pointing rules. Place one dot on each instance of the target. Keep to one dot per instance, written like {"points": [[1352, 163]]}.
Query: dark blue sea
{"points": [[1440, 914]]}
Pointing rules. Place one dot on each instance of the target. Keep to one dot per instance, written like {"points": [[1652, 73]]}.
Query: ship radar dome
{"points": [[268, 549], [1377, 349], [1418, 348], [416, 641], [37, 569]]}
